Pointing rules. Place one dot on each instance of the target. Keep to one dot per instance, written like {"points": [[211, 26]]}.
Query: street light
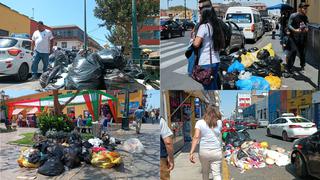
{"points": [[135, 42], [85, 27], [1, 103]]}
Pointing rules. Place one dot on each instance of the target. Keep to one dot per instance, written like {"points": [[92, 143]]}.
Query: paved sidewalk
{"points": [[135, 166]]}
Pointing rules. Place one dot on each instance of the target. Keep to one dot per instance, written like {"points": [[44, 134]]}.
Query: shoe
{"points": [[34, 77], [302, 68]]}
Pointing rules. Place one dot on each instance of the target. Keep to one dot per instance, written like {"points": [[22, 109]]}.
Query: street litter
{"points": [[248, 154], [62, 151], [106, 69], [133, 145], [252, 69]]}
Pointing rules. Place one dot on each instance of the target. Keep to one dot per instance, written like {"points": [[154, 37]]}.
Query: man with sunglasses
{"points": [[298, 27]]}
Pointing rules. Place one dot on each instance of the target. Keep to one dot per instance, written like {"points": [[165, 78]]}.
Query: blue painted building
{"points": [[250, 111], [274, 105]]}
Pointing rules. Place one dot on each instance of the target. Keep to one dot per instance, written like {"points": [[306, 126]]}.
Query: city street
{"points": [[8, 82], [135, 166], [183, 167], [174, 65]]}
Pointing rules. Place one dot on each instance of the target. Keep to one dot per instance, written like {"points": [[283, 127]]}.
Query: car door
{"points": [[236, 37], [314, 154], [272, 127]]}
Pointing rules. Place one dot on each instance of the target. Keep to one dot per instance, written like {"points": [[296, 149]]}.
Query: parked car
{"points": [[252, 124], [170, 28], [263, 123], [266, 25], [187, 24], [247, 18], [237, 38], [305, 156], [16, 58], [291, 127]]}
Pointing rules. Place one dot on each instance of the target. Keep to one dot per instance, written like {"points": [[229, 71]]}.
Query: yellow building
{"points": [[12, 21], [299, 103], [313, 10]]}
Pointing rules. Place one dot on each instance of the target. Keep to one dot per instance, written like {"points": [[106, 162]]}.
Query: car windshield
{"points": [[299, 120], [239, 18], [7, 42]]}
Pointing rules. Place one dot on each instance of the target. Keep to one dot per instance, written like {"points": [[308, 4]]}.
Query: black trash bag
{"points": [[85, 73], [243, 135], [133, 71], [85, 156], [241, 154], [87, 145], [225, 62], [116, 79], [274, 65], [253, 49], [112, 58], [34, 157], [52, 167], [56, 150], [42, 146], [229, 81], [71, 157], [231, 138], [74, 138], [263, 54]]}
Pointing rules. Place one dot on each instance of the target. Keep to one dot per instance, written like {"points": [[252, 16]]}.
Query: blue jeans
{"points": [[36, 59], [213, 85]]}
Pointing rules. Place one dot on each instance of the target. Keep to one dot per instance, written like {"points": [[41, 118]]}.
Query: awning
{"points": [[16, 111], [33, 111], [282, 7]]}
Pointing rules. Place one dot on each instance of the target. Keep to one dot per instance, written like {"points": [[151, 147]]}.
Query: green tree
{"points": [[116, 17], [177, 8]]}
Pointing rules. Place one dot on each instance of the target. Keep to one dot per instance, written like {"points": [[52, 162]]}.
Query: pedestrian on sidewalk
{"points": [[208, 133], [138, 114], [152, 116], [166, 150], [298, 26], [42, 43], [209, 39]]}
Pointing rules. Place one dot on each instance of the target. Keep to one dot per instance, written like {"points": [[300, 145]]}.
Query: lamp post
{"points": [[125, 119], [135, 41], [185, 9], [85, 27], [1, 104]]}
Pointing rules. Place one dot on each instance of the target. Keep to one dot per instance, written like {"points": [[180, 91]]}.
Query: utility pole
{"points": [[125, 119], [85, 27], [32, 13], [185, 9], [135, 42]]}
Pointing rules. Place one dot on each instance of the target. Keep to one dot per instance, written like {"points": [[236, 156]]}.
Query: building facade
{"points": [[250, 112], [243, 101], [262, 112], [299, 103], [71, 37], [316, 108]]}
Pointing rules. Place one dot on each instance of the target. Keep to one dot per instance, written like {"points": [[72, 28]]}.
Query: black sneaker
{"points": [[302, 68]]}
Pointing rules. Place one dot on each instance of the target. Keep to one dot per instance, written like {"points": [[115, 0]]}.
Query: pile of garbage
{"points": [[106, 69], [245, 154], [252, 69], [61, 151]]}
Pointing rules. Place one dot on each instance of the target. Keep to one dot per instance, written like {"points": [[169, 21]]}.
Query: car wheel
{"points": [[182, 33], [300, 166], [285, 136], [268, 132], [23, 72]]}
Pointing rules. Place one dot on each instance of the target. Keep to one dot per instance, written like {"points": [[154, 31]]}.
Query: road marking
{"points": [[167, 43], [171, 47], [182, 70], [172, 61], [176, 51]]}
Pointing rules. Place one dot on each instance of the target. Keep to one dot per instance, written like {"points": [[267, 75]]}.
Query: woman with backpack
{"points": [[209, 40], [208, 135]]}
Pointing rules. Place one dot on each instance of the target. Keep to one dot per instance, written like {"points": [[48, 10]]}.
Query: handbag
{"points": [[203, 76]]}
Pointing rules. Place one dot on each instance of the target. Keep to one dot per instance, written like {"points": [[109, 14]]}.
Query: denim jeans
{"points": [[36, 59], [213, 85]]}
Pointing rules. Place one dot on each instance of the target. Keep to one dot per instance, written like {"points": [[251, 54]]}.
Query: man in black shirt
{"points": [[298, 26]]}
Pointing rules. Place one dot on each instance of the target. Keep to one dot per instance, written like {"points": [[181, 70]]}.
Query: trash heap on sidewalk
{"points": [[252, 69], [60, 151], [106, 69], [245, 154]]}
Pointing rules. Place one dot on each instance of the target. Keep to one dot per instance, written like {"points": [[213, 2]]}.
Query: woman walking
{"points": [[207, 132], [209, 39]]}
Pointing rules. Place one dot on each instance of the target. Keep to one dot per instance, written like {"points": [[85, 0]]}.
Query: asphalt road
{"points": [[173, 65], [8, 82], [267, 173]]}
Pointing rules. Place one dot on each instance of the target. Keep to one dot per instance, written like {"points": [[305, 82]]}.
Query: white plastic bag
{"points": [[95, 142], [133, 145]]}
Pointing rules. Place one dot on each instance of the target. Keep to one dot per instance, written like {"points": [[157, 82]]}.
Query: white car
{"points": [[291, 128], [248, 19], [16, 58]]}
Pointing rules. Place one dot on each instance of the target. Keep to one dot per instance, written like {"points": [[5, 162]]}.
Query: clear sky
{"points": [[62, 12], [228, 101], [193, 3], [18, 93], [153, 99]]}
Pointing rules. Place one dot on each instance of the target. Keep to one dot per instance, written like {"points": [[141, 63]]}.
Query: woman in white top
{"points": [[209, 37], [208, 133]]}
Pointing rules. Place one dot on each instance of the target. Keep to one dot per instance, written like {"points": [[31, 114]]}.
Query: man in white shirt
{"points": [[42, 43]]}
